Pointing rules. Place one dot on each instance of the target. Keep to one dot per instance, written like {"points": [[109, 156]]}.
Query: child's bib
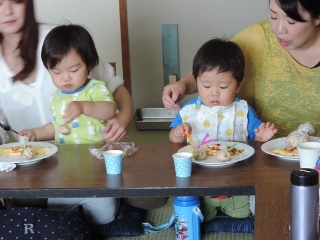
{"points": [[223, 123]]}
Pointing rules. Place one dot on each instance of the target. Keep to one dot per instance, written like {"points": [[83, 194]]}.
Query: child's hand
{"points": [[265, 131], [177, 135], [72, 111], [31, 133], [179, 131]]}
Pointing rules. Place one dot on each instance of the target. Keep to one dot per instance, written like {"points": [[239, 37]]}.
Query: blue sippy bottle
{"points": [[187, 218]]}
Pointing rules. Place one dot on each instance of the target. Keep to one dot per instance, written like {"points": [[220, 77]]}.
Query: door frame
{"points": [[125, 44]]}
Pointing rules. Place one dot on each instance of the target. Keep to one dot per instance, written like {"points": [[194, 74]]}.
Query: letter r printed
{"points": [[28, 227]]}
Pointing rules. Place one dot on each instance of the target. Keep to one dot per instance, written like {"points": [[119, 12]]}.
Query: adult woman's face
{"points": [[12, 16], [292, 34]]}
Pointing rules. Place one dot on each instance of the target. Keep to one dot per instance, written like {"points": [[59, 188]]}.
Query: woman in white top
{"points": [[26, 88], [26, 85]]}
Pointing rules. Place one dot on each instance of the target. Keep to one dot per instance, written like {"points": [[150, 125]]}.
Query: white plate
{"points": [[23, 161], [212, 160], [280, 143]]}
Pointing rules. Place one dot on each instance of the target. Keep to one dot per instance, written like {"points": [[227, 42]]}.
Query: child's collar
{"points": [[77, 90]]}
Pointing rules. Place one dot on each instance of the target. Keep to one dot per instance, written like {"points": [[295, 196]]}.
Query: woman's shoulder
{"points": [[260, 31], [262, 26]]}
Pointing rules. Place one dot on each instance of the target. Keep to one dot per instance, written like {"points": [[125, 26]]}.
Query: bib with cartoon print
{"points": [[223, 123]]}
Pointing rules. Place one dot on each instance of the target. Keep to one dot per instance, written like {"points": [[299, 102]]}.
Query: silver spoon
{"points": [[6, 127]]}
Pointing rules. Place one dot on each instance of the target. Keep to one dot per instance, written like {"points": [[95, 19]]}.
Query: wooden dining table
{"points": [[74, 172]]}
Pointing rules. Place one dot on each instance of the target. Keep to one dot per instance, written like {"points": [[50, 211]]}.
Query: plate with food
{"points": [[219, 153], [32, 153], [277, 147]]}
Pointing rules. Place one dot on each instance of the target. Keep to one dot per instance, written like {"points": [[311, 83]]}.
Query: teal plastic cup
{"points": [[182, 164], [113, 161]]}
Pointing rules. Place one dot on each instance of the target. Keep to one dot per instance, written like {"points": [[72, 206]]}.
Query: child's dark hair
{"points": [[60, 40], [220, 54]]}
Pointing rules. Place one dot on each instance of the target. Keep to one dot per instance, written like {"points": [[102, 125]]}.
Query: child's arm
{"points": [[177, 134], [43, 133], [103, 110], [265, 132]]}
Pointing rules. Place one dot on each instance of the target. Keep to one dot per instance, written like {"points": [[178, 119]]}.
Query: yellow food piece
{"points": [[286, 152], [16, 151], [40, 150]]}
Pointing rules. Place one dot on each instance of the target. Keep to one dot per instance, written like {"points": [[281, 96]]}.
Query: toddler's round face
{"points": [[71, 73], [217, 89]]}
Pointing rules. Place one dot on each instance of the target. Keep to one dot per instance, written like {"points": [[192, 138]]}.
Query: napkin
{"points": [[7, 166]]}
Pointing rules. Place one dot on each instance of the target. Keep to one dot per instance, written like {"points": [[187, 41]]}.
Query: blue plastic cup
{"points": [[182, 164], [113, 161]]}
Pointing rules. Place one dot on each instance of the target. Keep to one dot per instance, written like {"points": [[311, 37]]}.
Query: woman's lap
{"points": [[96, 210]]}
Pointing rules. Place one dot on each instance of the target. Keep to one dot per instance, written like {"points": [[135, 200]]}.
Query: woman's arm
{"points": [[3, 134], [117, 128], [174, 92]]}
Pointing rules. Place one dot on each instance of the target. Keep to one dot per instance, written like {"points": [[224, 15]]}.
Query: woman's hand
{"points": [[173, 93], [116, 128]]}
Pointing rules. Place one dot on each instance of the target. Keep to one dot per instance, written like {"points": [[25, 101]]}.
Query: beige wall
{"points": [[198, 21], [100, 17]]}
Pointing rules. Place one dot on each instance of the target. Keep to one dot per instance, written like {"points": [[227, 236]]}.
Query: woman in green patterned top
{"points": [[282, 67]]}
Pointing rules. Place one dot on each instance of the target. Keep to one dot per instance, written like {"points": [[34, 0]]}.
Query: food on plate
{"points": [[213, 149], [17, 151], [223, 156], [199, 154], [27, 153], [293, 151]]}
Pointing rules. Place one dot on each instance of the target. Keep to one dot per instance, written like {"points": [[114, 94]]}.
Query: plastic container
{"points": [[187, 220]]}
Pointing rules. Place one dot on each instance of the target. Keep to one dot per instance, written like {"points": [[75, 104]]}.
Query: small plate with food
{"points": [[278, 147], [32, 153], [219, 153]]}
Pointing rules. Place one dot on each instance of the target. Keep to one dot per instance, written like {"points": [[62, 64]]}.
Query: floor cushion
{"points": [[225, 223], [127, 223], [38, 223]]}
